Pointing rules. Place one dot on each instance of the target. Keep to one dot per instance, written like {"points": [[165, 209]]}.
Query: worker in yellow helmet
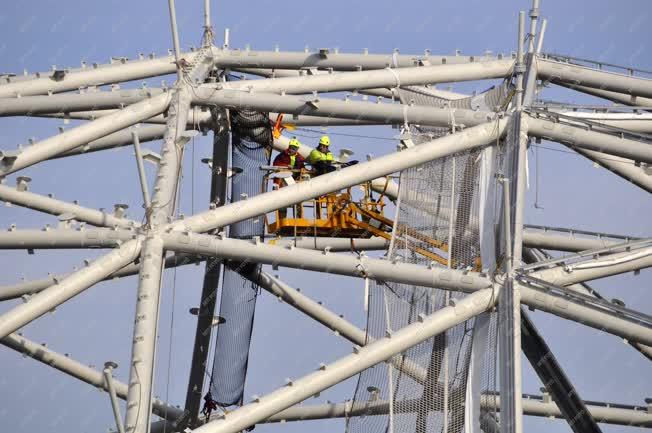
{"points": [[321, 158]]}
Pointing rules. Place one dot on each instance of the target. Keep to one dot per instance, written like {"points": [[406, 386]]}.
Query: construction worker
{"points": [[209, 406], [322, 159], [291, 159]]}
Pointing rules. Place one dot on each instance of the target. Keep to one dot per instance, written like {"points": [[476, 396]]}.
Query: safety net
{"points": [[251, 143], [437, 385]]}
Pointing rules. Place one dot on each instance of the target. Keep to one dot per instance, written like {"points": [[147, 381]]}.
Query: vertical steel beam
{"points": [[141, 170], [209, 290], [175, 38]]}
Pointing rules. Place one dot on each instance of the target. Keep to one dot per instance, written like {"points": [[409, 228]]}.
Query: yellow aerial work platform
{"points": [[338, 215]]}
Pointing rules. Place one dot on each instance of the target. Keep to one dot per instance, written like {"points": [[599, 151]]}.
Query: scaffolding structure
{"points": [[462, 176]]}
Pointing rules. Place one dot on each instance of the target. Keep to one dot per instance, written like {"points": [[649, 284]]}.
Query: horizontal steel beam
{"points": [[557, 72], [586, 314], [67, 102], [333, 244], [382, 270], [601, 267], [61, 208], [34, 286], [562, 242], [356, 110], [64, 238], [326, 59], [94, 76], [363, 358], [468, 139], [69, 366], [352, 81], [83, 134], [606, 413], [591, 140], [622, 98]]}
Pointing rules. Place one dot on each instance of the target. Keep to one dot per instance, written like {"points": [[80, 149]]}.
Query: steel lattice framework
{"points": [[294, 83]]}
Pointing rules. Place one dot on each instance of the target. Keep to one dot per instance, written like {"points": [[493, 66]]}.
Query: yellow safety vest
{"points": [[317, 156]]}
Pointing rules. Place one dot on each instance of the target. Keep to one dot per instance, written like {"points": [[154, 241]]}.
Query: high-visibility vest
{"points": [[317, 156], [293, 160]]}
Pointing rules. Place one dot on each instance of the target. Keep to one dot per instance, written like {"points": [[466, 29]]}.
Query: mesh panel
{"points": [[438, 202], [251, 139]]}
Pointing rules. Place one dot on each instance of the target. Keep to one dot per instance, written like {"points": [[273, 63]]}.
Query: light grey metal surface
{"points": [[64, 238], [348, 366], [108, 379], [450, 144], [574, 74], [57, 207], [234, 249], [84, 134]]}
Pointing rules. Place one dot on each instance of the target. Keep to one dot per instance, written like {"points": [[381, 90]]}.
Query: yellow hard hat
{"points": [[294, 143], [324, 140]]}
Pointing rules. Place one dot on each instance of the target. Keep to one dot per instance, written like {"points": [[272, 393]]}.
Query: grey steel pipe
{"points": [[84, 134], [71, 286], [140, 166], [562, 242], [63, 238], [197, 117], [640, 176], [232, 59], [383, 166], [356, 110], [57, 207], [557, 72], [65, 103], [347, 81], [580, 312], [563, 275], [76, 369], [606, 413], [108, 378], [333, 244], [591, 140], [383, 270], [622, 98], [96, 76], [115, 140], [362, 358], [34, 286]]}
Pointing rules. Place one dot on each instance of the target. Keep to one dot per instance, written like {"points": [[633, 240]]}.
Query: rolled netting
{"points": [[438, 211], [251, 141]]}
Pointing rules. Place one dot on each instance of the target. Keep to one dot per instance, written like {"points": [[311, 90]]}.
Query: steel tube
{"points": [[69, 287], [84, 134], [333, 244], [88, 77], [563, 275], [108, 378], [348, 366], [557, 72], [75, 369], [140, 166], [232, 59], [623, 98], [591, 140], [383, 270], [351, 81], [448, 145], [115, 140], [606, 413], [585, 314], [623, 167], [57, 207], [562, 242], [64, 238], [67, 102], [356, 110], [29, 287]]}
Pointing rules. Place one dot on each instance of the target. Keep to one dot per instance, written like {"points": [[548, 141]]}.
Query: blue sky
{"points": [[96, 326]]}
